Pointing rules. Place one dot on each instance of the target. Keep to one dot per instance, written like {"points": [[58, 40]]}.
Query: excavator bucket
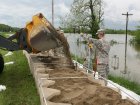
{"points": [[42, 35]]}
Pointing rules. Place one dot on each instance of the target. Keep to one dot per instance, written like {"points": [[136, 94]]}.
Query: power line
{"points": [[127, 17]]}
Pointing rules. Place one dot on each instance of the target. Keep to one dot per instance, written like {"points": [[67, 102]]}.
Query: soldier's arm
{"points": [[99, 46]]}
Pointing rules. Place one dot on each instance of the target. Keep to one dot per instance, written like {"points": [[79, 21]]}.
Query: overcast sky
{"points": [[113, 13], [18, 12]]}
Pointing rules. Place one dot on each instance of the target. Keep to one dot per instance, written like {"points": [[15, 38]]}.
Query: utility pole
{"points": [[127, 17], [52, 12]]}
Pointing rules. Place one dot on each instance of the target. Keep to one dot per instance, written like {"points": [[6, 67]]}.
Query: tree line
{"points": [[6, 28], [114, 31], [135, 33]]}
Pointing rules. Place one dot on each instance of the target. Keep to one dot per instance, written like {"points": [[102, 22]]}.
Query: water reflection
{"points": [[136, 47], [117, 55], [115, 62]]}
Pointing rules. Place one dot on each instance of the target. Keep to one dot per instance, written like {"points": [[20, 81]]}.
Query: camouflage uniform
{"points": [[102, 56]]}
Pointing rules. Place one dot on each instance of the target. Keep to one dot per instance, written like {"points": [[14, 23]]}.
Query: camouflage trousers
{"points": [[103, 70]]}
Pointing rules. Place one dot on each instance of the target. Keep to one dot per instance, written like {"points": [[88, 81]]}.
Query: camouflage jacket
{"points": [[102, 48]]}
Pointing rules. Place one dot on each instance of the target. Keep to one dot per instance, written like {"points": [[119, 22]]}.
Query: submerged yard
{"points": [[20, 85]]}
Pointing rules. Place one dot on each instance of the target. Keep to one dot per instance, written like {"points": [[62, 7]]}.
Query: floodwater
{"points": [[116, 55]]}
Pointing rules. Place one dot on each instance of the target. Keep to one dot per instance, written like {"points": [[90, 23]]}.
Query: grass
{"points": [[6, 34], [78, 59], [137, 36], [133, 86], [21, 89]]}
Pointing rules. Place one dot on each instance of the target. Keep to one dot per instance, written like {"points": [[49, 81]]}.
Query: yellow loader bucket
{"points": [[42, 35]]}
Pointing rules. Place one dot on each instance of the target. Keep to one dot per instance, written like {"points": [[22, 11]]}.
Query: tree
{"points": [[137, 35], [6, 28], [86, 15]]}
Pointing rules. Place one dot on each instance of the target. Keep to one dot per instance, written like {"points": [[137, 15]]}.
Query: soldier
{"points": [[102, 54]]}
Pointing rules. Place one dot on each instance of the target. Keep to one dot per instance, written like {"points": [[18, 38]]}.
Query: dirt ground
{"points": [[79, 91]]}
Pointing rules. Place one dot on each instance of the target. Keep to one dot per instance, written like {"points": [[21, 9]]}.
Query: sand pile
{"points": [[83, 91], [79, 91]]}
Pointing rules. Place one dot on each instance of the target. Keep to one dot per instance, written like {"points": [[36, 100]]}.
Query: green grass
{"points": [[133, 86], [21, 89], [6, 34], [78, 59]]}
